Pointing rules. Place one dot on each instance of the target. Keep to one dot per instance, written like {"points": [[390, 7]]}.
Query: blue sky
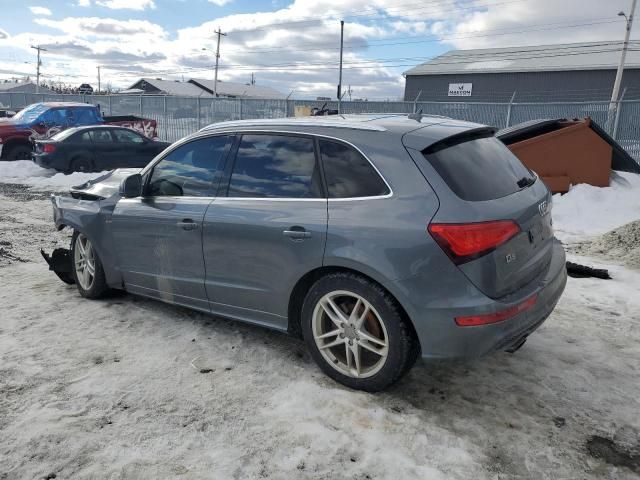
{"points": [[288, 45]]}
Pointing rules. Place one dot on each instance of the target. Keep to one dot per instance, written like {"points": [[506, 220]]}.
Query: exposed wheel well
{"points": [[304, 284]]}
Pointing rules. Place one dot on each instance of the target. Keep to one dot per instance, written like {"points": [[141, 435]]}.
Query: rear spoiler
{"points": [[462, 137]]}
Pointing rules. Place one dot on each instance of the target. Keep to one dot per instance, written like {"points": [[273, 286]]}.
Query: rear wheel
{"points": [[19, 152], [355, 332], [80, 164], [87, 268]]}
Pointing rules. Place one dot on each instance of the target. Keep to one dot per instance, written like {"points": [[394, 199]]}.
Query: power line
{"points": [[544, 27], [421, 6], [552, 53]]}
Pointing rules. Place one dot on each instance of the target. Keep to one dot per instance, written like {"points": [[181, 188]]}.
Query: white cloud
{"points": [[220, 3], [304, 56], [96, 27], [126, 4], [84, 3], [40, 10]]}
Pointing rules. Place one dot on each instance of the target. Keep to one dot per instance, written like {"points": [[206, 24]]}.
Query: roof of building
{"points": [[559, 57], [16, 87], [232, 89], [171, 87]]}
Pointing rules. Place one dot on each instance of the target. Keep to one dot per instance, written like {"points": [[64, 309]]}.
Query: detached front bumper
{"points": [[441, 338]]}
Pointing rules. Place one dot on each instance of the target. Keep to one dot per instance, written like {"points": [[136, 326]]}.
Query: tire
{"points": [[377, 323], [19, 152], [90, 285], [80, 164]]}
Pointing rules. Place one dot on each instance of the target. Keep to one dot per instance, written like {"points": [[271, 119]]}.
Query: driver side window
{"points": [[190, 169]]}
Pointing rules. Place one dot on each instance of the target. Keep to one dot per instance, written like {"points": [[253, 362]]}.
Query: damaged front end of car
{"points": [[87, 209]]}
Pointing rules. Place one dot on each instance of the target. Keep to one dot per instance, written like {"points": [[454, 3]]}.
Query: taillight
{"points": [[466, 241], [501, 316], [48, 148]]}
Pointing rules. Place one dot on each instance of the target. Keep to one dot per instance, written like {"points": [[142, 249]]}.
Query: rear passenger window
{"points": [[275, 166], [190, 169], [348, 173]]}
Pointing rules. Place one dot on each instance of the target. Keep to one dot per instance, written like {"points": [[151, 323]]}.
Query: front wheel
{"points": [[87, 268], [356, 333]]}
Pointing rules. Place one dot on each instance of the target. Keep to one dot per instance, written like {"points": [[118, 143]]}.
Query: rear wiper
{"points": [[526, 182]]}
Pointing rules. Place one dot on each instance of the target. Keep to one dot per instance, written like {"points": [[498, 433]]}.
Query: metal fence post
{"points": [[110, 109], [616, 121], [198, 108], [240, 100], [25, 100], [415, 102], [508, 122], [140, 105], [165, 121]]}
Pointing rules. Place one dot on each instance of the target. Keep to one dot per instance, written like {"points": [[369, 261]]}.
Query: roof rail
{"points": [[293, 122]]}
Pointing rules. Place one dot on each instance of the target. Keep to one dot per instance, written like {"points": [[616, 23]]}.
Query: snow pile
{"points": [[587, 211], [28, 173], [620, 245]]}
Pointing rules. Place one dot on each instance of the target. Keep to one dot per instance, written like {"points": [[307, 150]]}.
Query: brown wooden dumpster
{"points": [[566, 153]]}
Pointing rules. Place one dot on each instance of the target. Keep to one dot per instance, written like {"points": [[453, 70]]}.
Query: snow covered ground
{"points": [[25, 172], [132, 388]]}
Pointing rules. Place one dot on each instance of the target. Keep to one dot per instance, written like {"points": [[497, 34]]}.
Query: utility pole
{"points": [[613, 106], [98, 79], [340, 74], [215, 78], [39, 49]]}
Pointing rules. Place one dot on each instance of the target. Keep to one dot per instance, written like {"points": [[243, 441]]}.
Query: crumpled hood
{"points": [[104, 186]]}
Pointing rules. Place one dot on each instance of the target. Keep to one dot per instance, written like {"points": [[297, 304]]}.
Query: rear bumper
{"points": [[49, 161], [441, 338]]}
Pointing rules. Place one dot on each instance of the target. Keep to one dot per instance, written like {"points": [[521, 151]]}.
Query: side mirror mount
{"points": [[131, 187]]}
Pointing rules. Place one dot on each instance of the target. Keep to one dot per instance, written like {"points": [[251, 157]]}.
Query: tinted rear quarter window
{"points": [[479, 169], [348, 174]]}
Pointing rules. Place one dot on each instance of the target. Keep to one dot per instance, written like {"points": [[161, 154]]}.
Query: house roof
{"points": [[19, 86], [559, 57], [233, 89], [171, 87]]}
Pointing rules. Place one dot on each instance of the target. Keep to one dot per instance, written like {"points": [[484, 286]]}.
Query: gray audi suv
{"points": [[378, 239]]}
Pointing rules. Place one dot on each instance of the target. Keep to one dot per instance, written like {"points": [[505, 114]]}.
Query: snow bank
{"points": [[587, 211], [28, 173]]}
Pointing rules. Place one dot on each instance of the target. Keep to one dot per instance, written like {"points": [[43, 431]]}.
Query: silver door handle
{"points": [[187, 224], [296, 234]]}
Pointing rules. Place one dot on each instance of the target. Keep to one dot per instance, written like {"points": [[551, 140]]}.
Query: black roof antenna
{"points": [[416, 116]]}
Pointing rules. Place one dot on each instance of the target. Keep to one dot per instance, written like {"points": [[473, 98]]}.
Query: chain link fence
{"points": [[179, 116]]}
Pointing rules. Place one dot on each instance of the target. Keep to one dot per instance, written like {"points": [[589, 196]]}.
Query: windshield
{"points": [[31, 113]]}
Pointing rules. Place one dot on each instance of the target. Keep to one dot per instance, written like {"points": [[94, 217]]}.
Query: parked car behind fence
{"points": [[96, 148]]}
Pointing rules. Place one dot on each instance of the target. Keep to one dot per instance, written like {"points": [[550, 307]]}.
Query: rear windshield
{"points": [[479, 169], [58, 137]]}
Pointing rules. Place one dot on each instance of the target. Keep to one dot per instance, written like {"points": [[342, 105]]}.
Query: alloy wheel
{"points": [[84, 261], [350, 334]]}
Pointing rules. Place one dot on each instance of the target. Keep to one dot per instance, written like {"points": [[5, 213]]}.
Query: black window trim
{"points": [[216, 185], [224, 186]]}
